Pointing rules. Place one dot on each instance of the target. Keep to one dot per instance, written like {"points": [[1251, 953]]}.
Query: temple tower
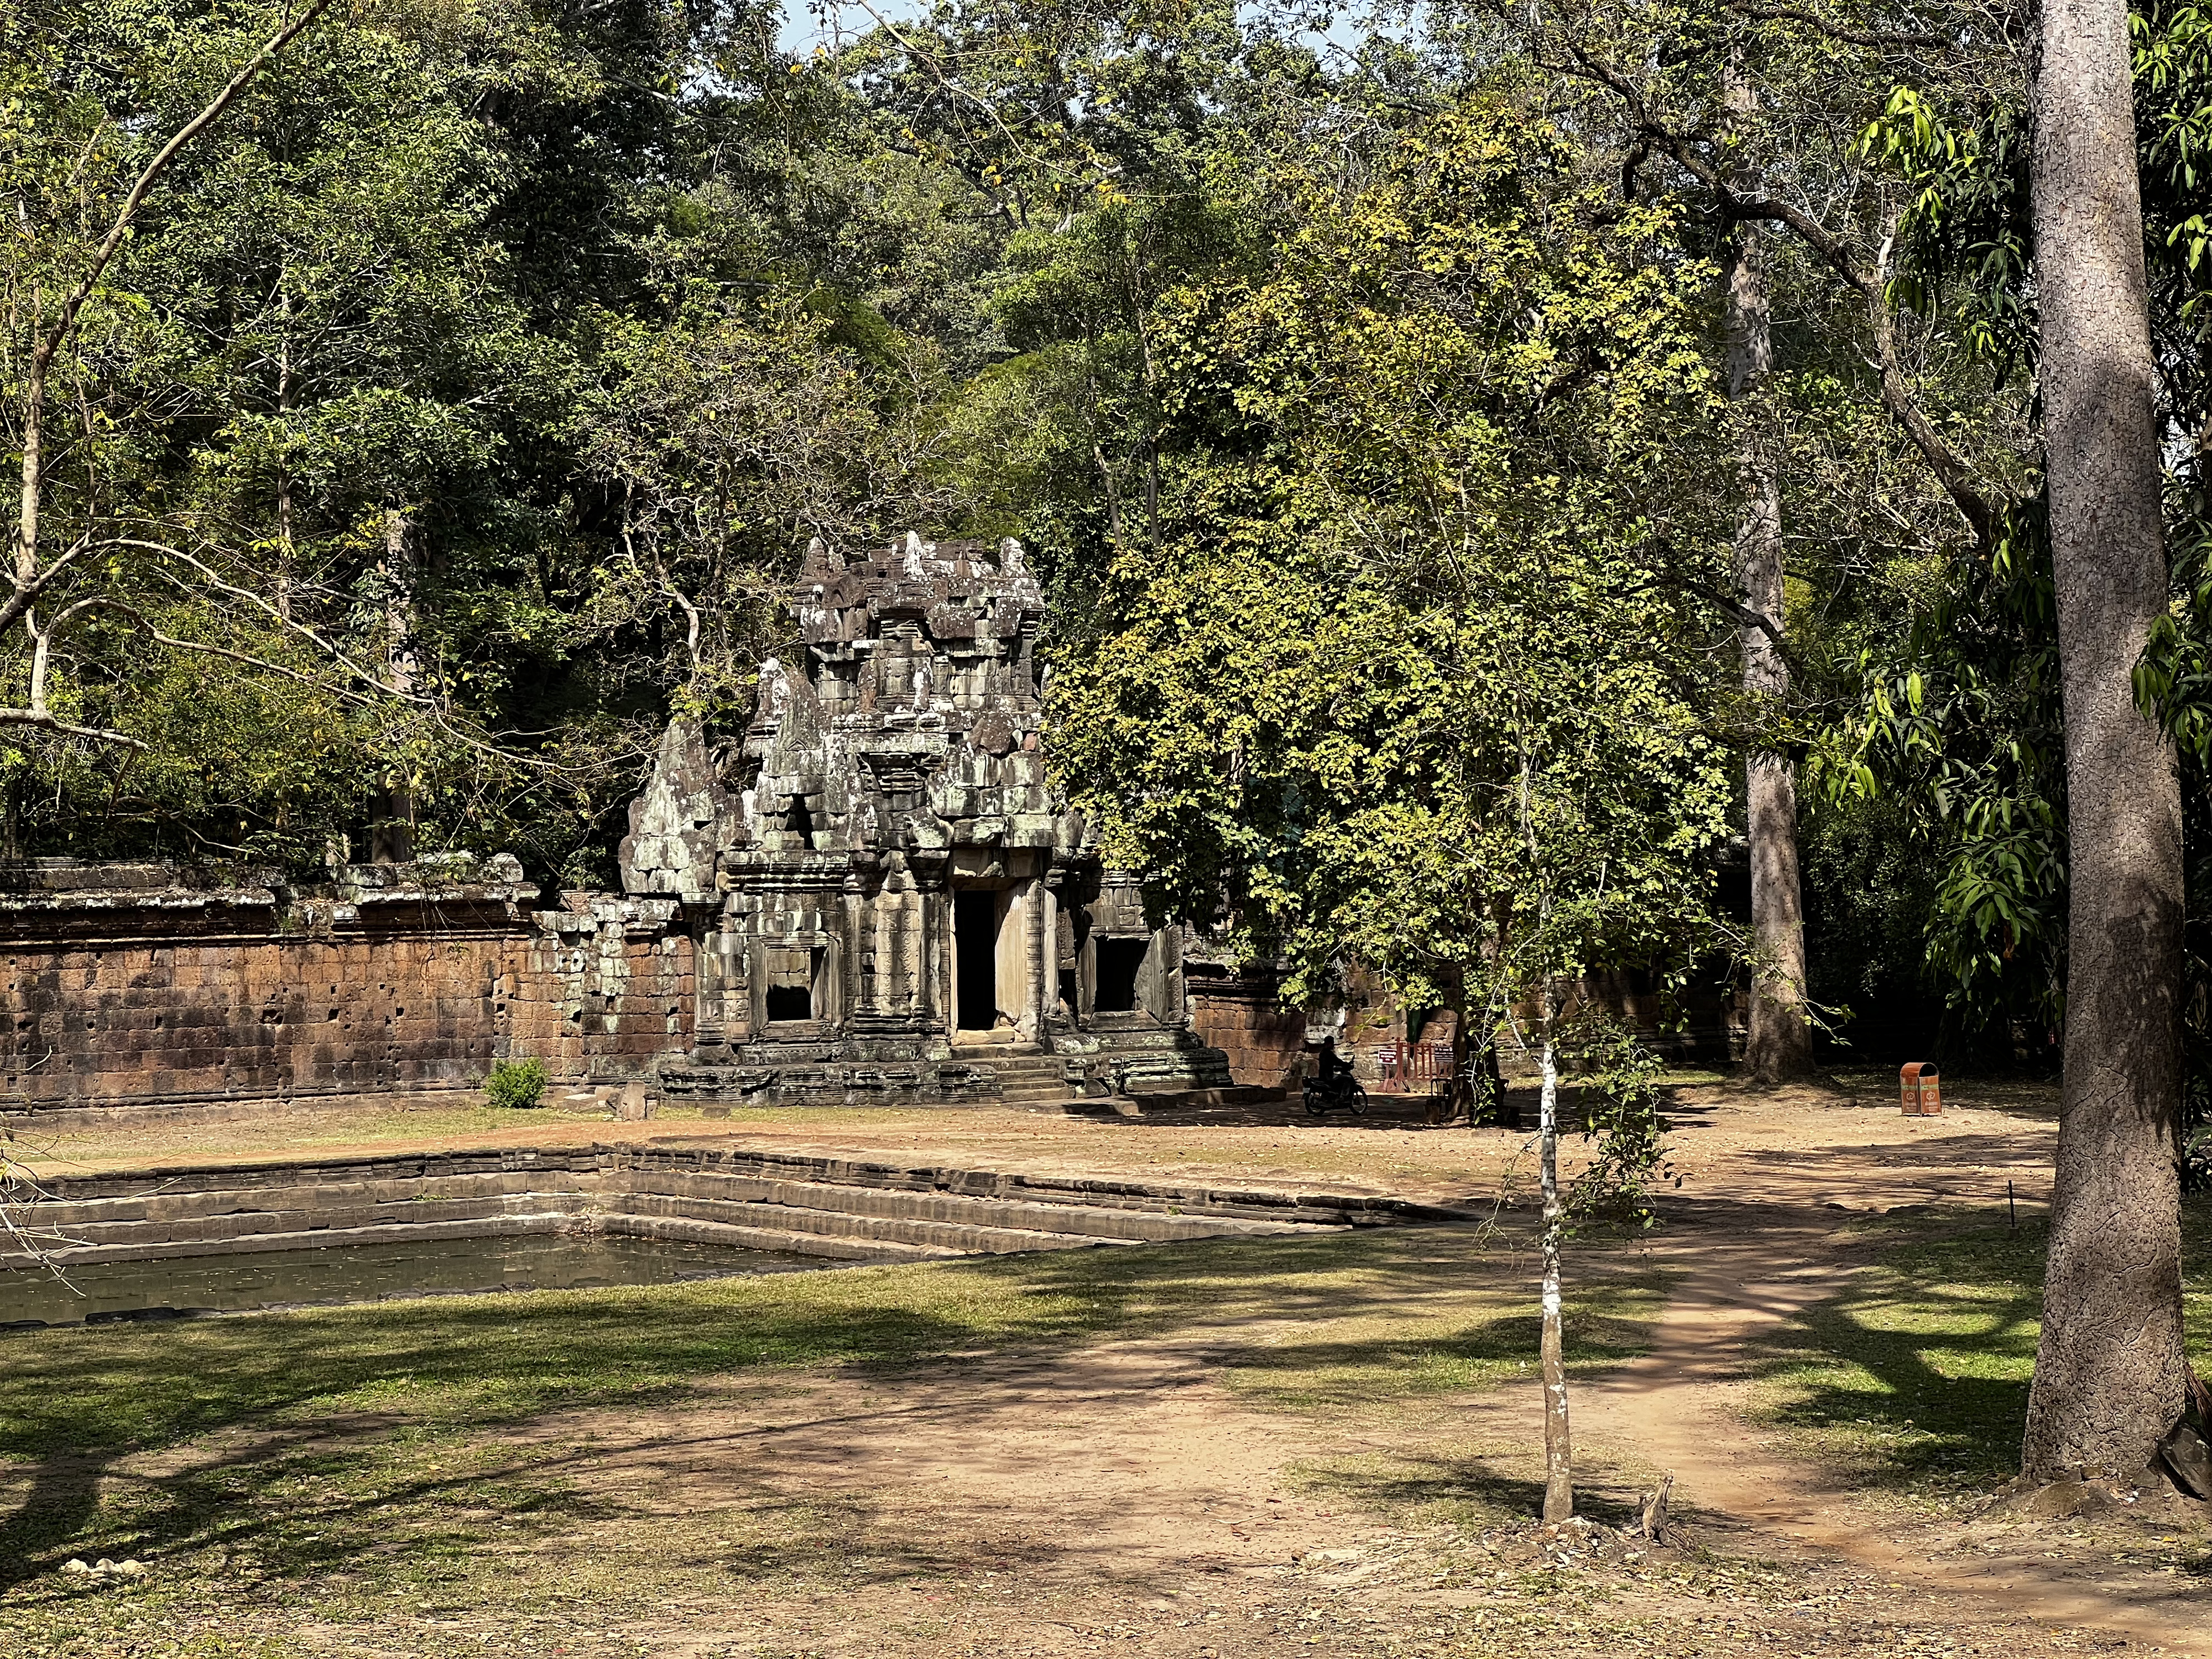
{"points": [[892, 901]]}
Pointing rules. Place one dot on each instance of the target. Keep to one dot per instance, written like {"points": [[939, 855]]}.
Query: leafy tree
{"points": [[1381, 687], [361, 399], [2093, 856]]}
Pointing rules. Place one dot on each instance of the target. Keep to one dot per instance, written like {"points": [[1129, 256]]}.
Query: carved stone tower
{"points": [[892, 901]]}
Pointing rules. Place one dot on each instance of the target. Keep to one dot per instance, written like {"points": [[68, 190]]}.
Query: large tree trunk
{"points": [[1558, 1446], [392, 836], [2110, 1370], [1779, 1044]]}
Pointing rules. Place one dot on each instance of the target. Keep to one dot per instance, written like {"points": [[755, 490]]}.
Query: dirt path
{"points": [[1138, 1496], [1684, 1407]]}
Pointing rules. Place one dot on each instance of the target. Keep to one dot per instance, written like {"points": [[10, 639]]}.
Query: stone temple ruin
{"points": [[889, 899], [873, 892]]}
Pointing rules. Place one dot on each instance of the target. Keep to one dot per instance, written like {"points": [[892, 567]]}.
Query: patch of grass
{"points": [[502, 1359], [1383, 1357], [1916, 1380], [405, 1463]]}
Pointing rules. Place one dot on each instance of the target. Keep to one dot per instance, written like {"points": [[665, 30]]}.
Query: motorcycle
{"points": [[1342, 1092]]}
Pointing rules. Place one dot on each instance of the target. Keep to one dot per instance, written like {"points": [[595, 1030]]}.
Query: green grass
{"points": [[349, 1464], [1915, 1381], [1389, 1311]]}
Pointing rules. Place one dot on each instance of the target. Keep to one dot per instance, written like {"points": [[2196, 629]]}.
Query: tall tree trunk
{"points": [[1558, 1446], [284, 552], [2110, 1370], [392, 838], [1779, 1044], [1459, 1095]]}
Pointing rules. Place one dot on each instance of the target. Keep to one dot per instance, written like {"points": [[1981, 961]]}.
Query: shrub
{"points": [[515, 1082]]}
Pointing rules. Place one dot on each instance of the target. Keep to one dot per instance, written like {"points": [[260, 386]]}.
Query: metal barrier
{"points": [[1408, 1067]]}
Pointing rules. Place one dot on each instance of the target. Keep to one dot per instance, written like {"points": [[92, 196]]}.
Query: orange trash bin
{"points": [[1920, 1090]]}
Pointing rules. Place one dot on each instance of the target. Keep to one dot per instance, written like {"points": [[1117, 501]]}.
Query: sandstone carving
{"points": [[901, 906], [678, 827]]}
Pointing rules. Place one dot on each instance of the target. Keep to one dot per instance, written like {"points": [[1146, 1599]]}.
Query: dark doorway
{"points": [[1119, 960], [794, 979], [975, 930]]}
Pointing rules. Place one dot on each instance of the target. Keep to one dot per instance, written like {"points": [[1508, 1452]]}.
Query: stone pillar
{"points": [[756, 950], [1034, 902], [1048, 973], [1177, 1010], [855, 931], [888, 953], [932, 952], [707, 986]]}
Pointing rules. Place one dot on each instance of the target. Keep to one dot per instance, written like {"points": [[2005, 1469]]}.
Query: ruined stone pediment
{"points": [[680, 824]]}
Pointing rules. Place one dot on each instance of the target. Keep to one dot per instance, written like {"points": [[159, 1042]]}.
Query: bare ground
{"points": [[1134, 1496]]}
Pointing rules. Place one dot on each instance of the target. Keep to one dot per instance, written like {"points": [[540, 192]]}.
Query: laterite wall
{"points": [[136, 984], [1242, 1016]]}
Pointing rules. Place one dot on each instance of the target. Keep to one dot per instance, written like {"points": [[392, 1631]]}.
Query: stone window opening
{"points": [[798, 820], [792, 985], [1120, 961], [789, 1002]]}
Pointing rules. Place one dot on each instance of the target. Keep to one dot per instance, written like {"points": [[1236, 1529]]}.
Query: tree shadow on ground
{"points": [[343, 1382], [1467, 1491], [1917, 1375], [1604, 1327]]}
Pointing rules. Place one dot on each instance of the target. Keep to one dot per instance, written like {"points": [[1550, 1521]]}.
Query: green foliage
{"points": [[513, 1085], [1869, 888], [1380, 685], [1961, 721], [1616, 1091], [440, 263], [1915, 1378]]}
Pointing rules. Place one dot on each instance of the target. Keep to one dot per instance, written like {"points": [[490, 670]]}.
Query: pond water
{"points": [[97, 1293]]}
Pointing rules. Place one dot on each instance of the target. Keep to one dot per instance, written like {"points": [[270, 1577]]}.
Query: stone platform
{"points": [[837, 1209], [1157, 1062]]}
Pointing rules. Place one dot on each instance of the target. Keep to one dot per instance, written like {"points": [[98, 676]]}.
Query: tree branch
{"points": [[1897, 397], [1876, 39], [50, 339], [44, 721], [160, 165]]}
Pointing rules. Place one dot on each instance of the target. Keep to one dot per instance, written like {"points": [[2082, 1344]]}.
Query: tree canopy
{"points": [[458, 404]]}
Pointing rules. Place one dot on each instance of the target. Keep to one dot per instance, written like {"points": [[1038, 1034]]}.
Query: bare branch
{"points": [[1876, 39], [160, 165], [43, 720]]}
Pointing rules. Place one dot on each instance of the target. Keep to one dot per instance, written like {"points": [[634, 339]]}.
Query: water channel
{"points": [[98, 1292]]}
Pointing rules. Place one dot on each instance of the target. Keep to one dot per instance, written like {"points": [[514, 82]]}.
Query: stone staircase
{"points": [[1030, 1080], [836, 1209]]}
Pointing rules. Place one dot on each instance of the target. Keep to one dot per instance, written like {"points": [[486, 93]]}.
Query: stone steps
{"points": [[1030, 1080], [810, 1228], [248, 1220], [836, 1209], [865, 1204]]}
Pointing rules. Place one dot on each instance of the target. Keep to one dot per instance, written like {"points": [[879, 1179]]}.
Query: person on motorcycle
{"points": [[1331, 1071]]}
